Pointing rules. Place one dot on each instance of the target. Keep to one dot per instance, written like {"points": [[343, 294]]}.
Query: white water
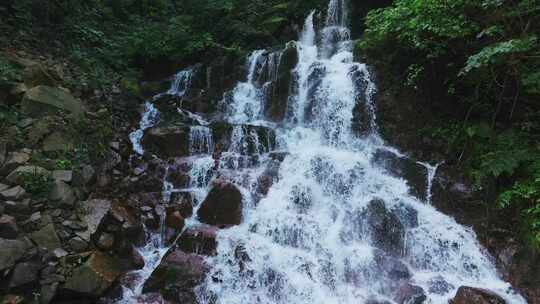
{"points": [[307, 240]]}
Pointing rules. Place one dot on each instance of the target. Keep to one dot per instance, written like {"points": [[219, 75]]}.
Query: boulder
{"points": [[24, 273], [36, 74], [14, 193], [62, 194], [174, 220], [386, 230], [40, 129], [43, 100], [410, 294], [414, 173], [176, 277], [199, 240], [223, 205], [94, 277], [92, 213], [17, 176], [46, 238], [8, 227], [471, 295], [11, 251], [58, 142], [167, 142], [13, 160]]}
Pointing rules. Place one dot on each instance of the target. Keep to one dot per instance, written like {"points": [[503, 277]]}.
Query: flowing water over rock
{"points": [[333, 225]]}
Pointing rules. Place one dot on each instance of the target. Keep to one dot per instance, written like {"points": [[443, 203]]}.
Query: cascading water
{"points": [[316, 236]]}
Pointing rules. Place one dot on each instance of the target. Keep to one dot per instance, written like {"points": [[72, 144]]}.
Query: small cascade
{"points": [[247, 97], [181, 83], [149, 118], [200, 140], [431, 173]]}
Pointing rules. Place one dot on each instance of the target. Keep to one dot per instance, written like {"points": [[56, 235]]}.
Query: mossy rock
{"points": [[42, 100]]}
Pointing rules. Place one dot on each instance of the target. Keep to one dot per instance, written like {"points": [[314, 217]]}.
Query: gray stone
{"points": [[3, 187], [14, 193], [84, 176], [24, 273], [3, 152], [11, 251], [46, 238], [8, 227], [48, 292], [26, 122], [77, 244], [62, 175], [16, 176], [14, 160], [18, 207], [59, 253], [63, 194], [92, 213], [58, 142], [43, 100]]}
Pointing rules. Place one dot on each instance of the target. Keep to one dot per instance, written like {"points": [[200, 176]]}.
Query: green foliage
{"points": [[92, 136], [37, 184]]}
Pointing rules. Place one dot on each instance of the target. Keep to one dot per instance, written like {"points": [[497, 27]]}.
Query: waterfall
{"points": [[150, 116], [314, 237]]}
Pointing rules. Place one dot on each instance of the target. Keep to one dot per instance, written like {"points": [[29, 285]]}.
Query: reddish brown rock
{"points": [[174, 220], [471, 295], [223, 205], [199, 240], [176, 277]]}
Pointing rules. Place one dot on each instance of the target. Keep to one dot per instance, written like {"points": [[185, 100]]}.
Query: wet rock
{"points": [[24, 273], [174, 220], [410, 294], [63, 194], [415, 174], [387, 232], [46, 238], [93, 278], [407, 215], [14, 160], [167, 141], [471, 295], [182, 201], [176, 277], [438, 285], [14, 193], [256, 139], [199, 240], [281, 86], [43, 100], [392, 268], [8, 227], [222, 206], [11, 251], [16, 176]]}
